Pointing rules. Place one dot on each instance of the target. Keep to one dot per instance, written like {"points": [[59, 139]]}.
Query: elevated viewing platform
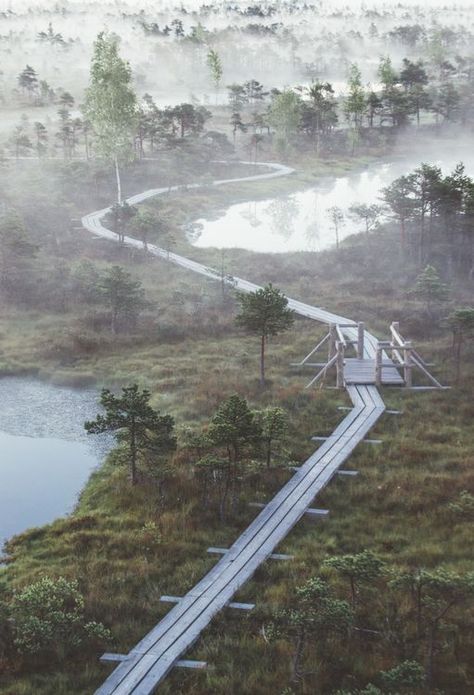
{"points": [[357, 371], [373, 362]]}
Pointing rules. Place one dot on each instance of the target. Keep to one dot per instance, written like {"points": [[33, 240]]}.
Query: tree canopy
{"points": [[137, 425], [265, 313], [111, 104]]}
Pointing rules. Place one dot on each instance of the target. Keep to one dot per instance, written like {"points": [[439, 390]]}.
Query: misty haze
{"points": [[236, 347]]}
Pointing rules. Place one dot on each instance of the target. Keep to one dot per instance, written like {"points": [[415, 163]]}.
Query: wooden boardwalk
{"points": [[141, 670], [363, 372]]}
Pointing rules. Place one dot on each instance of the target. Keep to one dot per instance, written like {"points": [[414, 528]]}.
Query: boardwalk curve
{"points": [[142, 669]]}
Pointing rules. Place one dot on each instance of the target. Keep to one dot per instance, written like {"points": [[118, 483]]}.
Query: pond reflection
{"points": [[302, 221], [296, 222]]}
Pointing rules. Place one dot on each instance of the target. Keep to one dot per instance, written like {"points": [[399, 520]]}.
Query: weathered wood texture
{"points": [[358, 371], [152, 658]]}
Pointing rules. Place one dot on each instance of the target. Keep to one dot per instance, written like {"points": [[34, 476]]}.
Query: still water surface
{"points": [[45, 454], [300, 221]]}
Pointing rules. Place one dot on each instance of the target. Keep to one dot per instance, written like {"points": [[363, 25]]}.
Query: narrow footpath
{"points": [[141, 670]]}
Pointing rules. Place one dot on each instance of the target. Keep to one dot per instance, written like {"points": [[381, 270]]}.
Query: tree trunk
{"points": [[205, 493], [458, 358], [113, 321], [86, 144], [233, 491], [235, 470], [296, 662], [422, 238], [262, 360], [133, 455], [402, 229], [431, 652], [119, 183], [223, 502], [418, 612], [353, 592], [269, 452]]}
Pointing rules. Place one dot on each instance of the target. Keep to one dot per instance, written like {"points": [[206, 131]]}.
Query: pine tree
{"points": [[336, 217], [123, 296], [28, 80], [368, 214], [264, 312], [461, 322], [237, 124], [354, 104], [137, 425], [234, 428], [430, 289], [314, 615], [274, 424], [358, 568]]}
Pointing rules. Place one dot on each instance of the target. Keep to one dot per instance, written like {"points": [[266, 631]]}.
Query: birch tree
{"points": [[285, 116], [215, 68], [354, 104], [111, 104]]}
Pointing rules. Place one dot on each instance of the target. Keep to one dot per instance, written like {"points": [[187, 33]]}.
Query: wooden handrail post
{"points": [[408, 368], [332, 341], [378, 365], [340, 365], [360, 340]]}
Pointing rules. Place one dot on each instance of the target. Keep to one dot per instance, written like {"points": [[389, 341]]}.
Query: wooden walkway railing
{"points": [[142, 669]]}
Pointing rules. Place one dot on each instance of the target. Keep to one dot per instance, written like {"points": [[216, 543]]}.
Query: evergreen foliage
{"points": [[265, 313], [48, 619], [144, 432]]}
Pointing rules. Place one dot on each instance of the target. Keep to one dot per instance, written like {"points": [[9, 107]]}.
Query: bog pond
{"points": [[45, 454], [300, 221]]}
